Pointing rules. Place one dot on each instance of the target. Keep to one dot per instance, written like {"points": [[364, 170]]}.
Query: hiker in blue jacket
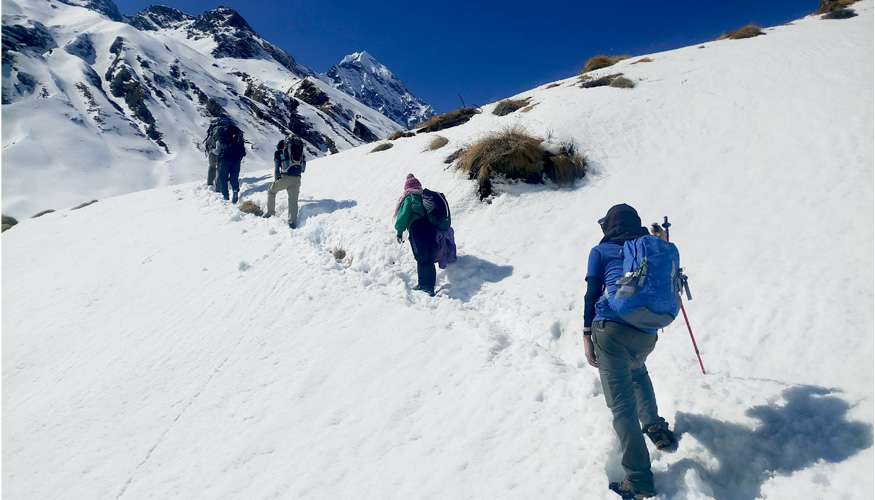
{"points": [[619, 351]]}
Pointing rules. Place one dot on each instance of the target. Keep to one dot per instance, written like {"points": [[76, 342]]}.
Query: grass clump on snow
{"points": [[41, 213], [453, 156], [588, 82], [400, 134], [513, 154], [840, 14], [508, 106], [643, 60], [830, 6], [565, 164], [528, 108], [621, 82], [447, 120], [382, 147], [83, 205], [9, 221], [599, 62], [553, 85], [749, 31], [250, 207], [438, 142]]}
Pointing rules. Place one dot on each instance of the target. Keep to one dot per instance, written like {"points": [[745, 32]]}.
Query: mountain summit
{"points": [[364, 77]]}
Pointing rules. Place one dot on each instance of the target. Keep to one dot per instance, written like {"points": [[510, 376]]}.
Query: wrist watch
{"points": [[587, 331]]}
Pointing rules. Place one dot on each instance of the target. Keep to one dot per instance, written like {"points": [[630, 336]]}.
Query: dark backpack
{"points": [[228, 142], [293, 157], [437, 209]]}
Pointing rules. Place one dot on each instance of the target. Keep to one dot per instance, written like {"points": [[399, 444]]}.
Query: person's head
{"points": [[411, 183], [280, 145], [621, 221]]}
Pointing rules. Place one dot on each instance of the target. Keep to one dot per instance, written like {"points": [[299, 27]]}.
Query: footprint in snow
{"points": [[243, 266]]}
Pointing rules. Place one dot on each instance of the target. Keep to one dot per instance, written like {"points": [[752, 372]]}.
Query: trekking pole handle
{"points": [[665, 225]]}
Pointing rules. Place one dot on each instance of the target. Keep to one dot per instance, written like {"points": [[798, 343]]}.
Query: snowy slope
{"points": [[360, 75], [95, 107], [163, 345]]}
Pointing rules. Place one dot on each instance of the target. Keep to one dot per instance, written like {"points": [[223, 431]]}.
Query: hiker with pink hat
{"points": [[411, 215]]}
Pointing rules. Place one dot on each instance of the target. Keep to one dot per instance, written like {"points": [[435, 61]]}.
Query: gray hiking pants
{"points": [[621, 351], [211, 171], [292, 186]]}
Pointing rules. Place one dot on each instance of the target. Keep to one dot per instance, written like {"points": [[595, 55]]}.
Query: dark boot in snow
{"points": [[234, 197], [292, 225], [662, 437], [625, 489]]}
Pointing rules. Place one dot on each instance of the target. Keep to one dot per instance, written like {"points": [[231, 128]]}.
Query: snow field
{"points": [[161, 344]]}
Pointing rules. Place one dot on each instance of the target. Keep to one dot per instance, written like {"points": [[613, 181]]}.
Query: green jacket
{"points": [[410, 211]]}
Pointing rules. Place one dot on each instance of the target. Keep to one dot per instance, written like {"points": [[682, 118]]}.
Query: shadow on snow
{"points": [[810, 426], [312, 208], [468, 274]]}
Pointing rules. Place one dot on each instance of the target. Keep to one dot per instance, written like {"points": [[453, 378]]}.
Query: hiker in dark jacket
{"points": [[229, 148], [410, 216], [619, 351], [209, 145]]}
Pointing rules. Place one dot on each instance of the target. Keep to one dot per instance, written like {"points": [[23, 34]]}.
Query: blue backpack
{"points": [[647, 295]]}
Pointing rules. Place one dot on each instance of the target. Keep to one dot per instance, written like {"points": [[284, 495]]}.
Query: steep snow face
{"points": [[164, 345], [102, 107], [365, 78]]}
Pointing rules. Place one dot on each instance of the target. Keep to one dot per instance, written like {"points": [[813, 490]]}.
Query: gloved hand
{"points": [[399, 238]]}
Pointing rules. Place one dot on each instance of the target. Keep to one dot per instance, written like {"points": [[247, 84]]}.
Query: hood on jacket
{"points": [[621, 223]]}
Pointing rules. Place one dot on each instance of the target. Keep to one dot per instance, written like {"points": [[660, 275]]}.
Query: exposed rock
{"points": [[311, 94], [82, 47], [105, 7], [34, 39], [158, 17], [363, 132]]}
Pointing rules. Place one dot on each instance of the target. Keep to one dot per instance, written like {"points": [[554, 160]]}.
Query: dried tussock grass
{"points": [[643, 60], [602, 61], [382, 147], [438, 142], [250, 207], [447, 120], [827, 6], [508, 106], [398, 135], [749, 31], [516, 155]]}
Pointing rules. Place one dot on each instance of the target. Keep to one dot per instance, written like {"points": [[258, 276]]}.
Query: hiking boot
{"points": [[625, 489], [662, 437], [292, 225], [234, 197]]}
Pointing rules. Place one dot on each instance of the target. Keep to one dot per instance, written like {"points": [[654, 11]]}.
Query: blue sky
{"points": [[487, 50]]}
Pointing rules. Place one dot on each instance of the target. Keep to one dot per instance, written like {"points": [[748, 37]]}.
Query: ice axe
{"points": [[683, 279]]}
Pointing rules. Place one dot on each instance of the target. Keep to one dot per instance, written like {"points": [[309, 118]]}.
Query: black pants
{"points": [[423, 242], [228, 171], [427, 275]]}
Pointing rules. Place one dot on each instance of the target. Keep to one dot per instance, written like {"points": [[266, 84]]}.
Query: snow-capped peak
{"points": [[361, 75], [366, 61]]}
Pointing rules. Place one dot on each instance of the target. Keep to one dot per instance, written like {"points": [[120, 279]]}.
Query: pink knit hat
{"points": [[412, 184]]}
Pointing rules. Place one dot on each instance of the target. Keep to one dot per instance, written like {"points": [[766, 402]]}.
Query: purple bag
{"points": [[446, 248]]}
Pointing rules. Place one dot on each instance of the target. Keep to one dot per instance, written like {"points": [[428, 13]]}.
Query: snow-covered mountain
{"points": [[104, 107], [162, 344], [369, 81]]}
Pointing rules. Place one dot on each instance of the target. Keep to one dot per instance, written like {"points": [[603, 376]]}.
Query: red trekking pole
{"points": [[665, 225]]}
